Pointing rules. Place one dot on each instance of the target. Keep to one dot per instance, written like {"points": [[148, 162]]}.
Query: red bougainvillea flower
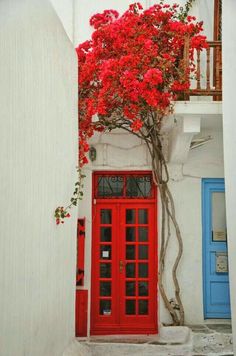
{"points": [[133, 64], [136, 125], [60, 214]]}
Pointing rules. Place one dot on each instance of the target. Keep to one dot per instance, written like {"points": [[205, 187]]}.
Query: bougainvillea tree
{"points": [[130, 73]]}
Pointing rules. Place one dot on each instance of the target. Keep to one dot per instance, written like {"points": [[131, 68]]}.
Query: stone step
{"points": [[171, 341], [107, 349]]}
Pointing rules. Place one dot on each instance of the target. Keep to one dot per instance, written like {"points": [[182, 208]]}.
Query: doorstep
{"points": [[195, 340], [175, 340]]}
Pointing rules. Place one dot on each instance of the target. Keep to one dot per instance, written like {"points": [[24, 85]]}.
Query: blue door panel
{"points": [[216, 284], [219, 293]]}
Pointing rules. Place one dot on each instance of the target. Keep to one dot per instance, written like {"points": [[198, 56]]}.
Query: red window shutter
{"points": [[81, 312], [80, 252]]}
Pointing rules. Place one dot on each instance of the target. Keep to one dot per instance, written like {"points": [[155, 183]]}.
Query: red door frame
{"points": [[131, 326]]}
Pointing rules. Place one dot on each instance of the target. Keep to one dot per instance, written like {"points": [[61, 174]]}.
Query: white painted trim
{"points": [[198, 108]]}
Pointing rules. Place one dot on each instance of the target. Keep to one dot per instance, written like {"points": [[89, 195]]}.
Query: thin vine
{"points": [[184, 11], [62, 213]]}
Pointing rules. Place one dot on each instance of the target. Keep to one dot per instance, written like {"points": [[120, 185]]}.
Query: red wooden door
{"points": [[124, 266]]}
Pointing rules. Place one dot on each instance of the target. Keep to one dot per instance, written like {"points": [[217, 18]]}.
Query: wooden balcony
{"points": [[208, 79]]}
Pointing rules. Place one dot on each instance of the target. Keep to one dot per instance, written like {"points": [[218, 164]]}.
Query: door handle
{"points": [[121, 265]]}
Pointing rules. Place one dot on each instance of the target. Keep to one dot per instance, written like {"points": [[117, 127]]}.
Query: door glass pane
{"points": [[111, 186], [105, 234], [130, 234], [138, 186], [130, 252], [143, 270], [130, 307], [105, 270], [105, 252], [143, 252], [143, 307], [105, 307], [143, 216], [130, 216], [142, 288], [105, 289], [142, 233], [105, 215], [218, 216], [130, 270], [130, 288]]}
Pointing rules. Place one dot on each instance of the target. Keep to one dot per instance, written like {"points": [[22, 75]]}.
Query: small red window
{"points": [[131, 186]]}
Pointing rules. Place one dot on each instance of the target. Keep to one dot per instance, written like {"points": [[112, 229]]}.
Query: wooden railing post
{"points": [[217, 68], [186, 63], [198, 69], [208, 69]]}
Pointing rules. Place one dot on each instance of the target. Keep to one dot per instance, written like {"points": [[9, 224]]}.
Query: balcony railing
{"points": [[208, 80]]}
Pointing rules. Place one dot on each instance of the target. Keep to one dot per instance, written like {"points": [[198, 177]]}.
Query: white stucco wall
{"points": [[204, 11], [203, 162], [229, 129], [65, 12], [38, 126], [83, 12]]}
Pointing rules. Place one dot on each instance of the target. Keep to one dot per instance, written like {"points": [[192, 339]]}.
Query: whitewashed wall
{"points": [[65, 10], [203, 162], [83, 12], [38, 125], [229, 128]]}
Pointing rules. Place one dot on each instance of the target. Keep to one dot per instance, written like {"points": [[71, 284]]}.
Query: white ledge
{"points": [[198, 107]]}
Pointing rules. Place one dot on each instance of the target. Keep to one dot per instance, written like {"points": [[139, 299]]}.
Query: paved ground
{"points": [[212, 339], [197, 340]]}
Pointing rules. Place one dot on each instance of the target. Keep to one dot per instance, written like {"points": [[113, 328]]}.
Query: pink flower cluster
{"points": [[61, 214]]}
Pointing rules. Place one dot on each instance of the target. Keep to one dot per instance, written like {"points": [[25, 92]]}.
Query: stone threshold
{"points": [[168, 335], [210, 339]]}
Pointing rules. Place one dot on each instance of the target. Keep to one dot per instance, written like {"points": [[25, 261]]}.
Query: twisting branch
{"points": [[151, 135]]}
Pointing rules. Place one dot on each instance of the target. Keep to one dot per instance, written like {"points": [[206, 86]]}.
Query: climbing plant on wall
{"points": [[130, 73]]}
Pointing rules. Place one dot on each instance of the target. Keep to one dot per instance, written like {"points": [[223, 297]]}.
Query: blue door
{"points": [[215, 259]]}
